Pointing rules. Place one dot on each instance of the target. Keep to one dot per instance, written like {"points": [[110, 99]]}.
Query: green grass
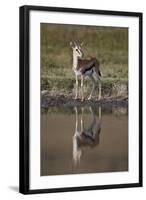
{"points": [[109, 45]]}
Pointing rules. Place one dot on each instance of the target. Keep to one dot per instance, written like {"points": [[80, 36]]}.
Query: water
{"points": [[84, 140]]}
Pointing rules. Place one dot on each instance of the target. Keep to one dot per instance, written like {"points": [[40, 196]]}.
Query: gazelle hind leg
{"points": [[99, 94], [93, 87], [82, 88]]}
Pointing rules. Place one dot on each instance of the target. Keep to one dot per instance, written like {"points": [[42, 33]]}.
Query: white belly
{"points": [[77, 72], [88, 73]]}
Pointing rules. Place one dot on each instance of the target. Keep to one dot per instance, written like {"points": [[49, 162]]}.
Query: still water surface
{"points": [[84, 140]]}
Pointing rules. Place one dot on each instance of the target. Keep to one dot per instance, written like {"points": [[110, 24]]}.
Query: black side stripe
{"points": [[88, 69], [88, 136]]}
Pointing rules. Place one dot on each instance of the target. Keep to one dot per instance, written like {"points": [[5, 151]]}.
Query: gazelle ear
{"points": [[81, 44], [71, 44]]}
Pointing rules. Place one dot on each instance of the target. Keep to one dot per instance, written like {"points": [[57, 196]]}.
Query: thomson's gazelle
{"points": [[85, 67], [85, 135]]}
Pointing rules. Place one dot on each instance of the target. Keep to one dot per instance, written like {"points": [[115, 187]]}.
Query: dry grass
{"points": [[109, 45]]}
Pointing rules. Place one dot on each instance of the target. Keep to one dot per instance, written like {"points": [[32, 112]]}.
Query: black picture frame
{"points": [[25, 105]]}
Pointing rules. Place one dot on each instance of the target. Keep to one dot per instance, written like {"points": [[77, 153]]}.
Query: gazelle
{"points": [[85, 136], [85, 68]]}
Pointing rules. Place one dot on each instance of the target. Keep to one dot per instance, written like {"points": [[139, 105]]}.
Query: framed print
{"points": [[80, 99]]}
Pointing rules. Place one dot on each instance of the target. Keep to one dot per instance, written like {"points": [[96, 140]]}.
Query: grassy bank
{"points": [[109, 45], [110, 87]]}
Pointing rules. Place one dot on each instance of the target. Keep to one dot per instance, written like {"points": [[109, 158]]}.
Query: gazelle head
{"points": [[77, 50]]}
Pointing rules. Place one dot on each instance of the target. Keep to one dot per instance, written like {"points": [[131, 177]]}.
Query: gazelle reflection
{"points": [[85, 136]]}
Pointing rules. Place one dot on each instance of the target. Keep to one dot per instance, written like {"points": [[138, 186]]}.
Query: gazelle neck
{"points": [[75, 62]]}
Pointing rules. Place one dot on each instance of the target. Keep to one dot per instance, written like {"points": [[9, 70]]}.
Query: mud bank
{"points": [[48, 100]]}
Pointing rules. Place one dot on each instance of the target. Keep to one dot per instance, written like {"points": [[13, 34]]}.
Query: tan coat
{"points": [[85, 65]]}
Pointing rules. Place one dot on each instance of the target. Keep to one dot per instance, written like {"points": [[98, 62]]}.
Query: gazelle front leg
{"points": [[76, 95], [76, 149], [99, 113], [82, 120], [82, 87], [76, 127]]}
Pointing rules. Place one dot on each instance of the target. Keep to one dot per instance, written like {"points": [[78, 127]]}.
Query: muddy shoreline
{"points": [[48, 100]]}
